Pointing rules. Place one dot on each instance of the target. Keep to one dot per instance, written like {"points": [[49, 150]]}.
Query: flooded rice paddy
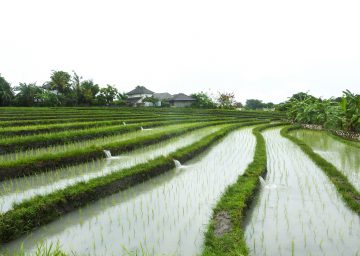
{"points": [[165, 215], [344, 157], [298, 211], [17, 190]]}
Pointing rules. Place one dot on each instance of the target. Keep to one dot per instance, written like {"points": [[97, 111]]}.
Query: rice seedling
{"points": [[349, 194], [38, 129], [302, 203], [77, 154], [342, 155], [150, 167], [14, 144], [168, 192], [48, 182], [138, 202]]}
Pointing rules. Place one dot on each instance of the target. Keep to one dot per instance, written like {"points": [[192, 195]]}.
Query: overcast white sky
{"points": [[257, 49]]}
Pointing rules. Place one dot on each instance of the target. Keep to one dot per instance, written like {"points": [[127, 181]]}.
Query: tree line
{"points": [[62, 89], [227, 100]]}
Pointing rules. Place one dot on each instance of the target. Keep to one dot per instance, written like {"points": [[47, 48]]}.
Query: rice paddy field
{"points": [[172, 181]]}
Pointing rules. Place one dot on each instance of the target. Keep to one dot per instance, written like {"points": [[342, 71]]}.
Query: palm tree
{"points": [[60, 81], [76, 83], [6, 92], [27, 94]]}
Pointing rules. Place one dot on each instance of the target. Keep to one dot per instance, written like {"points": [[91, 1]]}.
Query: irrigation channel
{"points": [[167, 214], [344, 157], [299, 211], [15, 191]]}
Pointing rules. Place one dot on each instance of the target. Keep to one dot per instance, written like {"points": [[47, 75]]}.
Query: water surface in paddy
{"points": [[15, 191], [167, 214], [303, 214], [344, 157]]}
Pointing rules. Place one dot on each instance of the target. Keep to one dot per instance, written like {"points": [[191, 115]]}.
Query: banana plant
{"points": [[350, 111], [311, 110], [302, 110]]}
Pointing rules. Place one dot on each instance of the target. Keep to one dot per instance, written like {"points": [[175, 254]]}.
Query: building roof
{"points": [[162, 96], [181, 97], [140, 90]]}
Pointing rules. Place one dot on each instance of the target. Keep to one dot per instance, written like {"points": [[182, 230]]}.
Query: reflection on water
{"points": [[14, 191], [344, 157], [305, 216], [167, 214]]}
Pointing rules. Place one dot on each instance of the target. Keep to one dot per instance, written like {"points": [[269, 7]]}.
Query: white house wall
{"points": [[140, 95]]}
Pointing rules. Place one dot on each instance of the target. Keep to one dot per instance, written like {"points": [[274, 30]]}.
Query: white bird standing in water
{"points": [[265, 185], [107, 153], [177, 163]]}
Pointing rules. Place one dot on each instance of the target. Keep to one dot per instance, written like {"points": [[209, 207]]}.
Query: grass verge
{"points": [[347, 191]]}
